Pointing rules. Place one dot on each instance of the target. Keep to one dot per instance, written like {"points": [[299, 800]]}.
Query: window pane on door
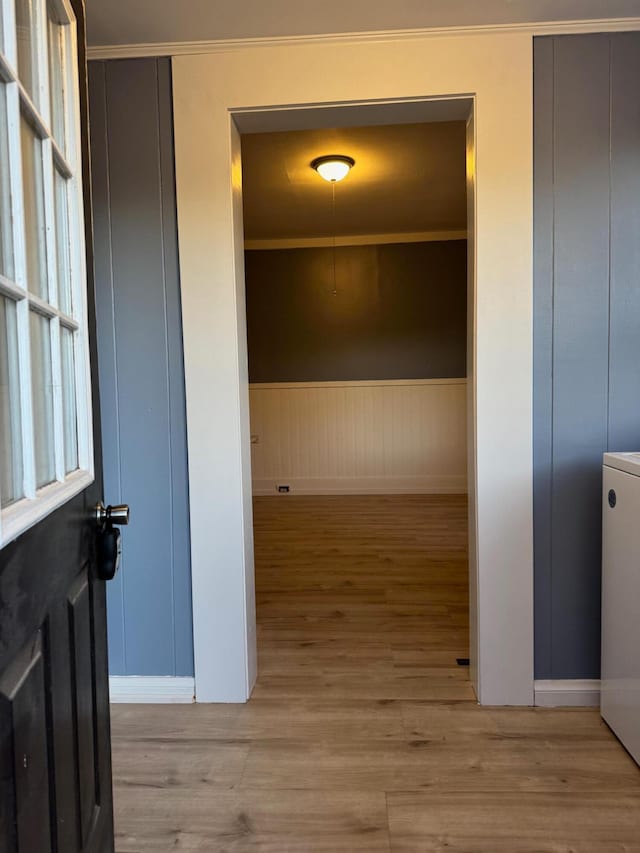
{"points": [[34, 223], [63, 244], [69, 410], [27, 48], [11, 480], [6, 252], [42, 388], [56, 78]]}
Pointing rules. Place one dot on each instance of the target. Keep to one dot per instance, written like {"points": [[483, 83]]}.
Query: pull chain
{"points": [[333, 222]]}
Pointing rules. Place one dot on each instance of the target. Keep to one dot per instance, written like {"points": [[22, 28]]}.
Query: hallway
{"points": [[362, 733]]}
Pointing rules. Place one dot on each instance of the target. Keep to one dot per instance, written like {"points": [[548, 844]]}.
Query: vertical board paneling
{"points": [[141, 369], [106, 339], [543, 349], [580, 346], [624, 385], [180, 533], [140, 331], [587, 303], [359, 436]]}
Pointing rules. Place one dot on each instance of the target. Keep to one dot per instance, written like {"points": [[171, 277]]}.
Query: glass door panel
{"points": [[34, 221], [42, 388], [69, 407], [11, 472], [6, 241]]}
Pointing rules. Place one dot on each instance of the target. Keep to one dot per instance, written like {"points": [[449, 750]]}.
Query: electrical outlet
{"points": [[255, 439], [283, 489]]}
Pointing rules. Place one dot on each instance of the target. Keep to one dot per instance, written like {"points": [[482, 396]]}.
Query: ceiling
{"points": [[118, 22], [407, 178]]}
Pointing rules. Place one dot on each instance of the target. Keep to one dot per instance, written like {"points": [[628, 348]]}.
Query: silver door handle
{"points": [[118, 514]]}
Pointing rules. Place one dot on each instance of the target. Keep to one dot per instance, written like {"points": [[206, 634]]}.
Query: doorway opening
{"points": [[360, 336], [219, 96]]}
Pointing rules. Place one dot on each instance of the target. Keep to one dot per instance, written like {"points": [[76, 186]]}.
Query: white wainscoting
{"points": [[374, 437]]}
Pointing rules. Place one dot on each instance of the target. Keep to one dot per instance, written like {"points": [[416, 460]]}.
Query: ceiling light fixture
{"points": [[333, 167]]}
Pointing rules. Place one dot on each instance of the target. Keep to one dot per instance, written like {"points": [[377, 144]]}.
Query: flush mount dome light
{"points": [[333, 167]]}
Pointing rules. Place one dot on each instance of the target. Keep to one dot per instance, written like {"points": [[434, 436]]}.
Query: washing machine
{"points": [[620, 685]]}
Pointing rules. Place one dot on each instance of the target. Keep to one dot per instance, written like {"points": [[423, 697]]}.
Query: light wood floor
{"points": [[362, 733]]}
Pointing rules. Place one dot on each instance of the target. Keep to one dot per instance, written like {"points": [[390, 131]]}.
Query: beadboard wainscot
{"points": [[365, 437]]}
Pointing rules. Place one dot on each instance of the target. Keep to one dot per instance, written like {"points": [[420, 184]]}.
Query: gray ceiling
{"points": [[406, 178], [117, 22]]}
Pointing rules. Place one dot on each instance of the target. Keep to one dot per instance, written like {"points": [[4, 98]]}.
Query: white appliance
{"points": [[620, 687]]}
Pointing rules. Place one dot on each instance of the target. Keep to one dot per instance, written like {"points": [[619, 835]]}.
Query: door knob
{"points": [[109, 515], [109, 547]]}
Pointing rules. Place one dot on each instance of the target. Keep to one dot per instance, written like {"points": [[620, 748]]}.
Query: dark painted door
{"points": [[55, 771]]}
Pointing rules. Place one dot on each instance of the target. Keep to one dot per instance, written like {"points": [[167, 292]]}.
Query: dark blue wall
{"points": [[587, 324], [141, 364], [399, 311]]}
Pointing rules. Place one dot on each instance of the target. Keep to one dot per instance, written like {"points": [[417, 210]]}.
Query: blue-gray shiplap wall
{"points": [[586, 324], [141, 363]]}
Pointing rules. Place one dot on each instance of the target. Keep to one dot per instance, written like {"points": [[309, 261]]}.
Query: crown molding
{"points": [[355, 240], [178, 48]]}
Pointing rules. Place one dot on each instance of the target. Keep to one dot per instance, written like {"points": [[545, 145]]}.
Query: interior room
{"points": [[356, 294], [319, 498]]}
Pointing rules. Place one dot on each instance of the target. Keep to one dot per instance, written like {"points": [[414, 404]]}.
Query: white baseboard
{"points": [[428, 485], [567, 692], [145, 689]]}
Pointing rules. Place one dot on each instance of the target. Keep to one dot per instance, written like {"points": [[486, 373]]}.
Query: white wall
{"points": [[496, 69], [392, 436]]}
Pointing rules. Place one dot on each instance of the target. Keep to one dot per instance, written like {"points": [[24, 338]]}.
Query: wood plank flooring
{"points": [[362, 733]]}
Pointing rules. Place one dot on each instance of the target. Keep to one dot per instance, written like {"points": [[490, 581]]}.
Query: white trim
{"points": [[451, 484], [38, 503], [207, 90], [354, 240], [10, 44], [151, 689], [567, 692], [180, 48], [77, 252], [58, 411], [23, 514], [11, 289], [355, 383]]}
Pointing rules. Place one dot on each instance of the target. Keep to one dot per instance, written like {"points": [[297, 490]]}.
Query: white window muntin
{"points": [[62, 319]]}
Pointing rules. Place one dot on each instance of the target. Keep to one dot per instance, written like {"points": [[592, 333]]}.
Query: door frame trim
{"points": [[208, 91]]}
